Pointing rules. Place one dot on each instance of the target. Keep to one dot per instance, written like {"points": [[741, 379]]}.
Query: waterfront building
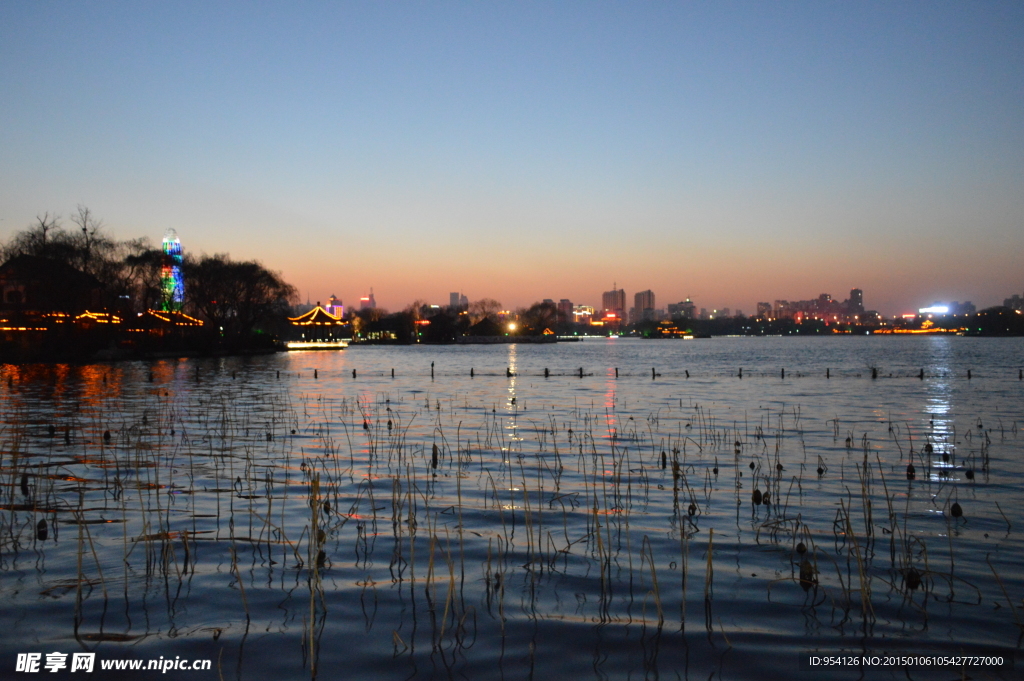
{"points": [[317, 329], [582, 314]]}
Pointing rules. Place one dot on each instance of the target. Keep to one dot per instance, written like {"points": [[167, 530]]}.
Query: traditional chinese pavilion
{"points": [[318, 329]]}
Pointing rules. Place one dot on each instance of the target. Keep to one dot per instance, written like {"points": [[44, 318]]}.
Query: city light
{"points": [[934, 309]]}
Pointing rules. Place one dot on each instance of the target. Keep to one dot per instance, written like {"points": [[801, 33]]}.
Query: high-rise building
{"points": [[564, 310], [335, 307], [614, 301], [856, 304], [764, 310], [643, 307], [367, 302], [453, 299]]}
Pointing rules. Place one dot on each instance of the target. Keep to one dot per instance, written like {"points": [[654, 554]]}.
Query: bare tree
{"points": [[93, 247], [41, 237], [484, 308], [235, 296]]}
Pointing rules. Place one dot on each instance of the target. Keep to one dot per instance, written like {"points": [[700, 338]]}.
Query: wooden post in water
{"points": [[874, 372], [353, 373], [828, 373], [741, 372], [783, 372]]}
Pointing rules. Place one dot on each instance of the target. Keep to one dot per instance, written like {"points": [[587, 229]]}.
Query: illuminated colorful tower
{"points": [[172, 284]]}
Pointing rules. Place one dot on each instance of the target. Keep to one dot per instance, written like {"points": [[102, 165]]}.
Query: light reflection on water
{"points": [[531, 546]]}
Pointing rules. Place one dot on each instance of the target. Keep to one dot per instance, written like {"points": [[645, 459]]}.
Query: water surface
{"points": [[314, 515]]}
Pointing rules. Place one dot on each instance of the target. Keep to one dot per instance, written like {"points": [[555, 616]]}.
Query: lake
{"points": [[570, 510]]}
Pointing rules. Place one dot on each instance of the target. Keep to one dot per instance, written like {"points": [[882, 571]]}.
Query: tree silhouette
{"points": [[235, 297]]}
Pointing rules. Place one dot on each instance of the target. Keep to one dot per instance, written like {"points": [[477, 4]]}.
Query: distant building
{"points": [[457, 301], [940, 309], [565, 310], [302, 308], [685, 309], [614, 301], [582, 314], [368, 302], [1014, 302], [643, 307], [335, 306], [823, 308], [855, 305]]}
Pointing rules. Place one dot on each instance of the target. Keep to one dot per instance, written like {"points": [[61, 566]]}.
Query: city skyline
{"points": [[731, 154]]}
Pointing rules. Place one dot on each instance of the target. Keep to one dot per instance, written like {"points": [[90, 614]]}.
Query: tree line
{"points": [[236, 298]]}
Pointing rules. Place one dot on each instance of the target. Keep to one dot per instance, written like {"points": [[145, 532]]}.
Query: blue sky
{"points": [[730, 152]]}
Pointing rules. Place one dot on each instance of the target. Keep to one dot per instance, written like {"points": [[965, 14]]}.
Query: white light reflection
{"points": [[511, 405], [939, 409]]}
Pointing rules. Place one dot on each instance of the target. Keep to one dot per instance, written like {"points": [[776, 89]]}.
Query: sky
{"points": [[726, 152]]}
